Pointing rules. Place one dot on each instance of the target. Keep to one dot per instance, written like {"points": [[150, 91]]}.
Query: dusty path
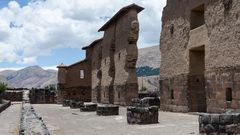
{"points": [[10, 119], [66, 121]]}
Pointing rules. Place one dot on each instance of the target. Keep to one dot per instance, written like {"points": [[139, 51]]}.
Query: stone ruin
{"points": [[142, 115], [143, 111], [76, 104], [88, 107], [107, 110], [108, 73], [200, 61], [42, 96], [215, 124]]}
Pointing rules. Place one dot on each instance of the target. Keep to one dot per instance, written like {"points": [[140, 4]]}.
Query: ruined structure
{"points": [[116, 71], [42, 96], [74, 81], [110, 64], [200, 61]]}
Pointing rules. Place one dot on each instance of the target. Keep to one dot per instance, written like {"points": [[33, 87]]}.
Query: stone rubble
{"points": [[142, 115], [227, 123], [88, 107]]}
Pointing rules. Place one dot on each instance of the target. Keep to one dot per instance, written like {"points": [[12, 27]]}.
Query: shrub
{"points": [[143, 89], [3, 87]]}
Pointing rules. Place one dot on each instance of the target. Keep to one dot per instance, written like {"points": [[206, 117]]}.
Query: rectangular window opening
{"points": [[197, 17], [82, 75], [229, 94]]}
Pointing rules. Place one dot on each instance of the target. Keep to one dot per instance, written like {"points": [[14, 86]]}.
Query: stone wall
{"points": [[12, 95], [41, 96], [4, 105], [217, 37], [216, 124]]}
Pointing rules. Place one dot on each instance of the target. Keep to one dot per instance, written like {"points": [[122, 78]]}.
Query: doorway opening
{"points": [[196, 81]]}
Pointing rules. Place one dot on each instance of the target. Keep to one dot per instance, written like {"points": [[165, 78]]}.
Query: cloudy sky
{"points": [[48, 32]]}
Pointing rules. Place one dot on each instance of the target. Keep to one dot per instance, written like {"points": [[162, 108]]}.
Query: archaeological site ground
{"points": [[199, 81]]}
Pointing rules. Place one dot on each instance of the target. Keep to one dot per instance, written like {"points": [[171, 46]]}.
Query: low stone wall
{"points": [[13, 95], [215, 124], [4, 105], [142, 115], [107, 110]]}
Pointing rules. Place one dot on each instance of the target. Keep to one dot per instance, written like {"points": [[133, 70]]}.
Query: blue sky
{"points": [[49, 32]]}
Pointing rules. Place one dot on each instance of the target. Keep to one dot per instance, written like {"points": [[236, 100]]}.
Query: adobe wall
{"points": [[220, 37], [73, 75], [71, 86], [96, 72], [125, 57], [107, 65]]}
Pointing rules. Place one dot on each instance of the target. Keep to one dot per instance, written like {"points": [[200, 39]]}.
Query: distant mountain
{"points": [[29, 77], [149, 56]]}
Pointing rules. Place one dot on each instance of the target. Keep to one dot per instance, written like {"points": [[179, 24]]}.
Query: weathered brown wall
{"points": [[220, 37], [125, 57], [96, 72], [106, 66], [73, 75], [74, 87]]}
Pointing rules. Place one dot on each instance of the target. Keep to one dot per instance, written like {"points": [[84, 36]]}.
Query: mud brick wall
{"points": [[96, 71], [70, 85], [125, 57]]}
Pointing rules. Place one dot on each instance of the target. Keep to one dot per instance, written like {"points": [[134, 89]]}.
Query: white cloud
{"points": [[41, 26]]}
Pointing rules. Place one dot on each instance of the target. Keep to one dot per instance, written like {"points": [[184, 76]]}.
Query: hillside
{"points": [[149, 56], [29, 77]]}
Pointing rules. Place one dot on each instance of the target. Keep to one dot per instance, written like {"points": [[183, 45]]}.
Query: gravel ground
{"points": [[65, 121], [10, 118]]}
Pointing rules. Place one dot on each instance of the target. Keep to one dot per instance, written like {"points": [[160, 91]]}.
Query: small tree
{"points": [[143, 89], [3, 87]]}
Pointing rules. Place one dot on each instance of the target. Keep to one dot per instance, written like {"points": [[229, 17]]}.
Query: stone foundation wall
{"points": [[218, 81], [123, 94], [77, 93], [173, 93]]}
